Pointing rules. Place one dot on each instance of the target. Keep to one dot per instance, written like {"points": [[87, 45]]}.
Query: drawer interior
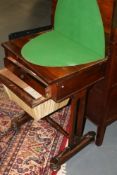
{"points": [[27, 98]]}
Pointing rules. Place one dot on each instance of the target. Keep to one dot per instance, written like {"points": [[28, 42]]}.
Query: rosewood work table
{"points": [[53, 83], [60, 84]]}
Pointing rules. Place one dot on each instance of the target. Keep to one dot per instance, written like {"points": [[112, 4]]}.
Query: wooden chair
{"points": [[102, 97], [64, 78]]}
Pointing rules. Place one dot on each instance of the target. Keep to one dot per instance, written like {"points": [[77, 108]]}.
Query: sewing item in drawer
{"points": [[27, 98]]}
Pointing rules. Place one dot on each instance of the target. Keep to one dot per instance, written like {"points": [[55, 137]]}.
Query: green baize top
{"points": [[77, 38]]}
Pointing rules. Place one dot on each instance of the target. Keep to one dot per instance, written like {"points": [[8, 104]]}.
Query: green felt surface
{"points": [[78, 36]]}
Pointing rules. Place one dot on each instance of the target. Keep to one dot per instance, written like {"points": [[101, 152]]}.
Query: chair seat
{"points": [[53, 49]]}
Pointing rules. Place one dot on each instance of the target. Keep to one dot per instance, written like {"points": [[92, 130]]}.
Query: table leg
{"points": [[76, 141]]}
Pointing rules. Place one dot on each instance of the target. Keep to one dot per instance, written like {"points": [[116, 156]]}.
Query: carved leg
{"points": [[76, 141], [100, 135], [69, 152], [18, 121]]}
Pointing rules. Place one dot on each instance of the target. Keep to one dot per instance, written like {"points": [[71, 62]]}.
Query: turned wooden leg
{"points": [[100, 135]]}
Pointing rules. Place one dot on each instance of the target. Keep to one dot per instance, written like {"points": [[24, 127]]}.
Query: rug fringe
{"points": [[62, 171]]}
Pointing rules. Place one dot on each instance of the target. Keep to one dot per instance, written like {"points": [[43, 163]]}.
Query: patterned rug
{"points": [[28, 151]]}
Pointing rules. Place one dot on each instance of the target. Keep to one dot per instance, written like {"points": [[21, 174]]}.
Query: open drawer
{"points": [[27, 98]]}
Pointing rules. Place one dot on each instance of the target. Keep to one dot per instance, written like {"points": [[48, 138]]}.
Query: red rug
{"points": [[29, 150]]}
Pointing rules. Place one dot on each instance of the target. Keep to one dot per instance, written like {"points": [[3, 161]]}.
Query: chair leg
{"points": [[100, 135]]}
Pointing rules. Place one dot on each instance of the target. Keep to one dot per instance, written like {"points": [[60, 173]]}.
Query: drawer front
{"points": [[27, 98], [79, 81], [26, 75]]}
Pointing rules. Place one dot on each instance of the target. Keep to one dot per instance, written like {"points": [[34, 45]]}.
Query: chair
{"points": [[60, 63], [102, 97]]}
